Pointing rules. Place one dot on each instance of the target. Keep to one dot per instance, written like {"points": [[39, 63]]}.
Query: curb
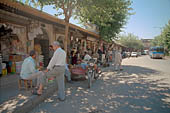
{"points": [[33, 101], [36, 100]]}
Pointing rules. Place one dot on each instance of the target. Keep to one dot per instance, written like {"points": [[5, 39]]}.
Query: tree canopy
{"points": [[108, 15], [164, 38], [131, 41]]}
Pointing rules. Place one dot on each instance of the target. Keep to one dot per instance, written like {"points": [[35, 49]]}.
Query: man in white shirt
{"points": [[56, 68], [87, 57]]}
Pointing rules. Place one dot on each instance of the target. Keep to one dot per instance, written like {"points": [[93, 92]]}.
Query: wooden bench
{"points": [[26, 82]]}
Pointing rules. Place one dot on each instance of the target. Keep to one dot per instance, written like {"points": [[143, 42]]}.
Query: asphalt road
{"points": [[142, 87]]}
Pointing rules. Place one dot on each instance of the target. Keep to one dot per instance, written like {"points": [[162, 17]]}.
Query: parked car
{"points": [[134, 54], [139, 53], [127, 54]]}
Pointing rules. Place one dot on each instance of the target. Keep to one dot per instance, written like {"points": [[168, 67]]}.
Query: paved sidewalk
{"points": [[142, 87], [13, 100]]}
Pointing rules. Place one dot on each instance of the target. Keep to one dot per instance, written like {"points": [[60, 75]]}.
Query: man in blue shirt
{"points": [[29, 72]]}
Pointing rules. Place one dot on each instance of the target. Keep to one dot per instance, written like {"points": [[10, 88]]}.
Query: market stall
{"points": [[12, 47]]}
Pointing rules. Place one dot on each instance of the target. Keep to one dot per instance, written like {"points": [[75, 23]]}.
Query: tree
{"points": [[158, 41], [68, 6], [164, 38], [108, 15], [131, 41]]}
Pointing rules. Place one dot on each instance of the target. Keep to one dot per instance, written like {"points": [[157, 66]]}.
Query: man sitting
{"points": [[29, 72], [84, 63]]}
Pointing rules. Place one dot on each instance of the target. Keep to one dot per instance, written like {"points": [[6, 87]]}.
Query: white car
{"points": [[134, 54]]}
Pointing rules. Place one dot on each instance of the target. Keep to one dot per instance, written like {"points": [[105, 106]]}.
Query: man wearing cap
{"points": [[56, 68], [29, 72]]}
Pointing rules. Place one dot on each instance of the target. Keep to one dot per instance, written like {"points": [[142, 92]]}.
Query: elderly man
{"points": [[118, 61], [29, 72], [56, 68]]}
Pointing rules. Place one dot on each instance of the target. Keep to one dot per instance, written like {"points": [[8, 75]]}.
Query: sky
{"points": [[147, 22], [149, 18]]}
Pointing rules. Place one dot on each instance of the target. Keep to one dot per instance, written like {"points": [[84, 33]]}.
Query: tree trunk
{"points": [[66, 36]]}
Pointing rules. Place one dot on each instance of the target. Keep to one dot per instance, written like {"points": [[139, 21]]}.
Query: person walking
{"points": [[56, 68], [118, 61]]}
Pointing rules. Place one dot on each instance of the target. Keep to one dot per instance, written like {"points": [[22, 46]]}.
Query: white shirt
{"points": [[87, 57], [28, 68], [58, 59]]}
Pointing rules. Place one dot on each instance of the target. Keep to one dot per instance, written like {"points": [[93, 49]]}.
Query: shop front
{"points": [[13, 46], [19, 34], [24, 29]]}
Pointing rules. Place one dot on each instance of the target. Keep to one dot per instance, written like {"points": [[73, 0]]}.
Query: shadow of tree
{"points": [[128, 91], [130, 69]]}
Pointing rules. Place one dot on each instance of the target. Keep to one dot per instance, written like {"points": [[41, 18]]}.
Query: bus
{"points": [[156, 52]]}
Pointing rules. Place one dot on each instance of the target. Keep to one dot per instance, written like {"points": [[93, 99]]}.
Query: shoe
{"points": [[61, 99], [34, 92]]}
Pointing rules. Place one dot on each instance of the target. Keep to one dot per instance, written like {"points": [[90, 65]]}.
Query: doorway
{"points": [[44, 43]]}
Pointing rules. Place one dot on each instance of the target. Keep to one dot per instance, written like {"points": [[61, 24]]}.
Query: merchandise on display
{"points": [[41, 59], [18, 66]]}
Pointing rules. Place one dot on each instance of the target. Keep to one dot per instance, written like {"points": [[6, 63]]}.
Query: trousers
{"points": [[58, 73], [117, 66], [38, 76]]}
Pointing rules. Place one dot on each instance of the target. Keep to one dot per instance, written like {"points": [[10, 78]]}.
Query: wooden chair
{"points": [[26, 82]]}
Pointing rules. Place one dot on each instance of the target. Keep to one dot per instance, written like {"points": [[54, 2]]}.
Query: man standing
{"points": [[118, 61], [56, 68]]}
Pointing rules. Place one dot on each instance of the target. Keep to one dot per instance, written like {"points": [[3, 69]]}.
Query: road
{"points": [[142, 87]]}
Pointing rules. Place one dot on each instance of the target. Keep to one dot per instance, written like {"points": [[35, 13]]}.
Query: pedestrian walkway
{"points": [[19, 101]]}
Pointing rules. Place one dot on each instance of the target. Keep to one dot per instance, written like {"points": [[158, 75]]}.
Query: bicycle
{"points": [[92, 72]]}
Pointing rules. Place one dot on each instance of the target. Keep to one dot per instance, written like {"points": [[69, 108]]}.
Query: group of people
{"points": [[55, 68]]}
